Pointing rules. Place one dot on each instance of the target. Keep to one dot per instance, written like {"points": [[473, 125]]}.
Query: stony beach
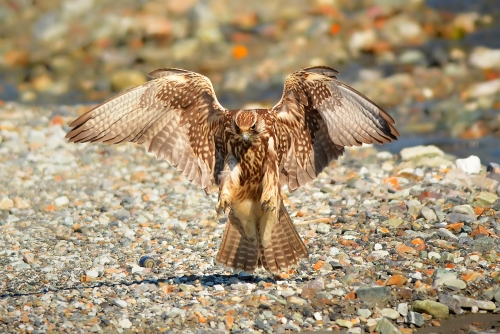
{"points": [[399, 243]]}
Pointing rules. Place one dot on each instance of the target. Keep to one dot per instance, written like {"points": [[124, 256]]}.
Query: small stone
{"points": [[123, 215], [433, 308], [390, 313], [449, 301], [446, 234], [323, 228], [121, 303], [364, 312], [61, 201], [96, 329], [385, 326], [296, 301], [187, 288], [486, 198], [20, 203], [470, 165], [414, 318], [317, 284], [465, 209], [483, 245], [344, 323], [92, 273], [395, 222], [434, 255], [417, 152], [403, 309], [6, 204], [125, 323], [374, 293], [428, 213], [497, 296], [29, 258], [455, 282], [466, 302]]}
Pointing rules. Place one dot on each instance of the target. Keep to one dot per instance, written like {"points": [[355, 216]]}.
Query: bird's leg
{"points": [[270, 183], [227, 178]]}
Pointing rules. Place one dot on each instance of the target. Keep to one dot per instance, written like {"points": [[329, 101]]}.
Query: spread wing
{"points": [[176, 116], [318, 116]]}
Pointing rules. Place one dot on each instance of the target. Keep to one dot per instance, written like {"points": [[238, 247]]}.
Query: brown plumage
{"points": [[249, 154]]}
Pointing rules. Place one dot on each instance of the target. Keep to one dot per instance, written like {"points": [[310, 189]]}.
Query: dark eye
{"points": [[237, 129], [253, 127]]}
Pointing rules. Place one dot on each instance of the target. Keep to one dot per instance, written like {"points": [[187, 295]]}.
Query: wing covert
{"points": [[318, 116], [176, 116]]}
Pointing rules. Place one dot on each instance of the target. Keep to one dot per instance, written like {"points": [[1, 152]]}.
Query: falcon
{"points": [[249, 153]]}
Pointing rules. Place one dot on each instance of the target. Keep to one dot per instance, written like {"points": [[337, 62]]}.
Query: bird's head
{"points": [[247, 124]]}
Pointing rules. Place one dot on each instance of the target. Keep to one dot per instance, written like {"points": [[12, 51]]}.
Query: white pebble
{"points": [[63, 200], [125, 323], [470, 165]]}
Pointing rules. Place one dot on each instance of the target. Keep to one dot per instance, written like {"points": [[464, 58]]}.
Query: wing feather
{"points": [[323, 115], [176, 116]]}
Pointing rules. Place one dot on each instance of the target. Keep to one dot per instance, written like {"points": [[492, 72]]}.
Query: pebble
{"points": [[61, 201], [417, 152], [428, 213], [390, 313], [344, 323], [125, 323], [364, 312], [6, 203], [403, 309], [385, 326], [414, 318], [433, 308], [121, 303], [466, 302], [470, 165]]}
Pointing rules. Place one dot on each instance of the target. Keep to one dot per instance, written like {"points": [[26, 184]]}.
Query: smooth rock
{"points": [[470, 165], [385, 326], [449, 301], [403, 309], [446, 234], [121, 303], [466, 302], [61, 201], [486, 198], [19, 203], [390, 313], [428, 213], [456, 283], [364, 312], [465, 209], [433, 308], [323, 228], [414, 318], [125, 323], [344, 323], [373, 293], [417, 152], [6, 203]]}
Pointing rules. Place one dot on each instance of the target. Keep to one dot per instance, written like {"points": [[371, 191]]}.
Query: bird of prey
{"points": [[249, 153]]}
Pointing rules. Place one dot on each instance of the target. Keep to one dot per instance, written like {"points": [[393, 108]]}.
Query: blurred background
{"points": [[433, 64]]}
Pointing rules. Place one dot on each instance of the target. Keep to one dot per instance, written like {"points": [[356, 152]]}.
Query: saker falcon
{"points": [[249, 153]]}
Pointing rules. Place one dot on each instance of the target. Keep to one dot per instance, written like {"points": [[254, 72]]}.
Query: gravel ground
{"points": [[396, 242]]}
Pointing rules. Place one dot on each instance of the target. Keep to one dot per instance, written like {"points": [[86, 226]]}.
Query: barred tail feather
{"points": [[284, 252]]}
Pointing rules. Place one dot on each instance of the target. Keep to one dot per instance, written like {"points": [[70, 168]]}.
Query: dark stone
{"points": [[123, 215], [414, 318], [449, 301], [459, 217], [378, 294], [483, 245]]}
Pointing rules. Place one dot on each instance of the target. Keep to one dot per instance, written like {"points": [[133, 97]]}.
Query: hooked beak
{"points": [[245, 136]]}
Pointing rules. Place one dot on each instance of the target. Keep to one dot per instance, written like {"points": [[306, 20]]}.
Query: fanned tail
{"points": [[284, 252]]}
